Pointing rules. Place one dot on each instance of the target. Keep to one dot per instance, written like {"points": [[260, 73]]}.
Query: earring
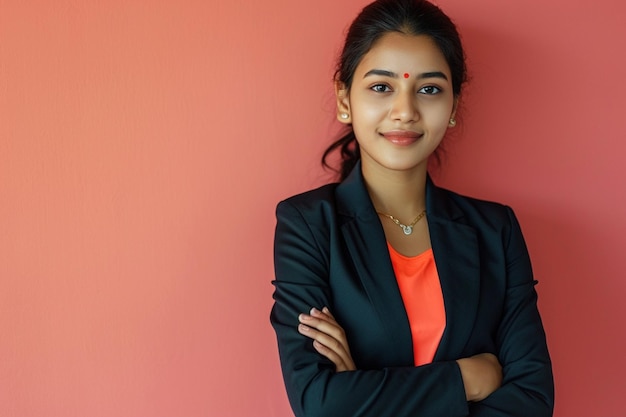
{"points": [[452, 122], [344, 115]]}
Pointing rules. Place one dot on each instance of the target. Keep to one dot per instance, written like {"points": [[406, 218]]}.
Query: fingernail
{"points": [[325, 310], [303, 328], [314, 311]]}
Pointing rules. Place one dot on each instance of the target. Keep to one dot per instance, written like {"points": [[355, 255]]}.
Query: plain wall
{"points": [[144, 146]]}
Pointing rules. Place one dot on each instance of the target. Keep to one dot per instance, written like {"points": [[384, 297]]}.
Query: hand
{"points": [[482, 375], [329, 338]]}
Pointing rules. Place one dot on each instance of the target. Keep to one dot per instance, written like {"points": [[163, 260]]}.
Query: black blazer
{"points": [[330, 250]]}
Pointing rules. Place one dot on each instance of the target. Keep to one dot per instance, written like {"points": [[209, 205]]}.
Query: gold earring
{"points": [[344, 115], [452, 122]]}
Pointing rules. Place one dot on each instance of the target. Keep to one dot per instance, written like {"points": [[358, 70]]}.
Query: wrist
{"points": [[472, 391]]}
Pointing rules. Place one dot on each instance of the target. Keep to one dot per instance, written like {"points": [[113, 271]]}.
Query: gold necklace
{"points": [[406, 229]]}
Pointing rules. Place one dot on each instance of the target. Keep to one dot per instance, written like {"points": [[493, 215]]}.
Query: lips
{"points": [[402, 137]]}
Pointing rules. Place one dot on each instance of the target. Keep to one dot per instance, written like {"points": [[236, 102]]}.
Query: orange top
{"points": [[420, 288]]}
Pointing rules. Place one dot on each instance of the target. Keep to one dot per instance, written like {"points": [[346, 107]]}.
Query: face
{"points": [[400, 102]]}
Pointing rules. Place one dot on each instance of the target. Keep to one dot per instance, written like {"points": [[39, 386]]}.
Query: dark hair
{"points": [[411, 17]]}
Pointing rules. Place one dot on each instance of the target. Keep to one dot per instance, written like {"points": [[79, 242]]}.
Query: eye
{"points": [[380, 88], [429, 90]]}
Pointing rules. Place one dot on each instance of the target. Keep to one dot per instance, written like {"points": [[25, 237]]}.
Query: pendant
{"points": [[407, 229]]}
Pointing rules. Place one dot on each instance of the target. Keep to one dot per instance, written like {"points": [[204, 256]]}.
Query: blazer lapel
{"points": [[456, 251], [455, 247], [365, 240]]}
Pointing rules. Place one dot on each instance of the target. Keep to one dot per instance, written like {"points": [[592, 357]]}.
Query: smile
{"points": [[402, 137]]}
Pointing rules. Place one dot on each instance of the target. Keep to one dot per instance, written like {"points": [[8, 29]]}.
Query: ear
{"points": [[343, 103], [455, 106]]}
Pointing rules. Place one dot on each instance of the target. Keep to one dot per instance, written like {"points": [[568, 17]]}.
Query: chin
{"points": [[405, 165]]}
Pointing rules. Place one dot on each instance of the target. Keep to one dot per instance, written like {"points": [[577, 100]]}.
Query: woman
{"points": [[395, 297]]}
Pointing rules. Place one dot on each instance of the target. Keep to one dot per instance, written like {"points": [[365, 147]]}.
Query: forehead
{"points": [[400, 52]]}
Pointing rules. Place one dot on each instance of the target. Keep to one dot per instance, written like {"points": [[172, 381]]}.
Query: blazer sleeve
{"points": [[301, 257], [527, 387]]}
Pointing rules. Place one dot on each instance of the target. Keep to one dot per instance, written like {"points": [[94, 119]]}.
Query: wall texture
{"points": [[144, 145]]}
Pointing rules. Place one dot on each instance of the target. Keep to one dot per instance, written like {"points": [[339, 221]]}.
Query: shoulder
{"points": [[316, 203], [304, 225], [493, 224], [472, 205], [479, 213]]}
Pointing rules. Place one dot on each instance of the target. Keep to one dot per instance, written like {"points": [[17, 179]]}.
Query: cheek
{"points": [[366, 102], [437, 115], [366, 115]]}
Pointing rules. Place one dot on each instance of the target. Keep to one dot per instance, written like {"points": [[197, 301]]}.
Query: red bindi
{"points": [[406, 75]]}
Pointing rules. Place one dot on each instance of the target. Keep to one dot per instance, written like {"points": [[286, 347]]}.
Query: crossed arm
{"points": [[321, 376], [482, 373]]}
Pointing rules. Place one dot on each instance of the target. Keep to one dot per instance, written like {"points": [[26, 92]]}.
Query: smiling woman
{"points": [[412, 113], [395, 297]]}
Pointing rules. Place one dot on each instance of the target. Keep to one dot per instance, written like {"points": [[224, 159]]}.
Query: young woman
{"points": [[395, 297]]}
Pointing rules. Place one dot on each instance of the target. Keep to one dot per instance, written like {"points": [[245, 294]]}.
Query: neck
{"points": [[399, 193]]}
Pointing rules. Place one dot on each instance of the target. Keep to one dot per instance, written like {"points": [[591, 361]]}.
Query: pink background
{"points": [[144, 145]]}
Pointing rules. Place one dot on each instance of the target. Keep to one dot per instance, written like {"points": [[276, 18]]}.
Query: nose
{"points": [[404, 108]]}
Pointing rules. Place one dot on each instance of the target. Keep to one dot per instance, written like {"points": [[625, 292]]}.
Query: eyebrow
{"points": [[391, 74]]}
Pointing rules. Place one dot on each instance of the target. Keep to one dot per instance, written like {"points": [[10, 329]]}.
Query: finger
{"points": [[329, 338], [337, 360], [324, 325], [324, 338], [328, 341], [326, 311], [318, 319], [322, 314]]}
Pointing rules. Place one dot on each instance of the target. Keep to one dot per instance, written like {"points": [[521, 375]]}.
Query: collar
{"points": [[354, 201]]}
